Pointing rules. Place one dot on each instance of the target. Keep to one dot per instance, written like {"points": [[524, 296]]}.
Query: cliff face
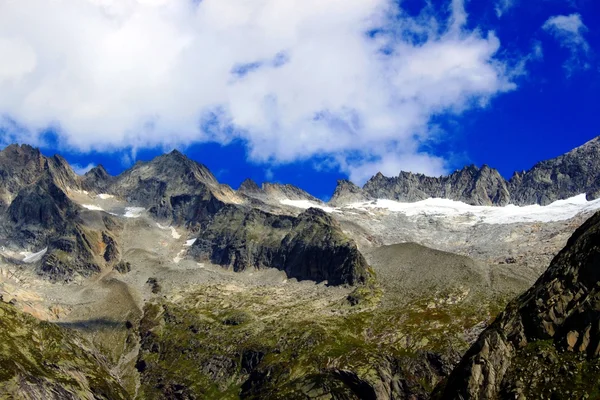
{"points": [[547, 342], [311, 246]]}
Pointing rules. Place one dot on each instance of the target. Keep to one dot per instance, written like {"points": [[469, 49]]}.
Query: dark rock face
{"points": [[554, 325], [42, 215], [172, 187], [42, 206], [573, 173], [22, 165], [472, 185], [310, 246]]}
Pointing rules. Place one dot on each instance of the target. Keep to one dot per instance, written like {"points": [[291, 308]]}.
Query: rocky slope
{"points": [[560, 178], [274, 192], [570, 174], [546, 344], [39, 360]]}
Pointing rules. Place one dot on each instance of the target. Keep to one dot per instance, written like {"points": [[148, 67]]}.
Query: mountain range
{"points": [[162, 282]]}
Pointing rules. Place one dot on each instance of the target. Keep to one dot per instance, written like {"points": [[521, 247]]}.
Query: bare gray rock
{"points": [[562, 307]]}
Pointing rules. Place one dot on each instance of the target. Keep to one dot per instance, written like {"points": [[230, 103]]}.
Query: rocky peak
{"points": [[98, 171], [347, 192], [22, 165], [176, 163], [97, 180], [568, 175], [249, 186]]}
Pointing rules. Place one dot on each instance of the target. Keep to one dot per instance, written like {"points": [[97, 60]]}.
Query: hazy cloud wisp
{"points": [[569, 30]]}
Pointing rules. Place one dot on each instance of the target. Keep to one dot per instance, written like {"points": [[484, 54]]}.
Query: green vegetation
{"points": [[223, 342], [41, 359]]}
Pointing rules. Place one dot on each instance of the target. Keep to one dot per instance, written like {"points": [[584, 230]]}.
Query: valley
{"points": [[185, 288]]}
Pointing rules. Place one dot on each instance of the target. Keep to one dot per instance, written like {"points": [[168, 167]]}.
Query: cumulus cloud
{"points": [[352, 81], [569, 30]]}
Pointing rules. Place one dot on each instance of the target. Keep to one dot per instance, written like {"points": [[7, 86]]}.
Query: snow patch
{"points": [[179, 257], [174, 232], [306, 204], [134, 212], [443, 208], [92, 207], [33, 257], [105, 196]]}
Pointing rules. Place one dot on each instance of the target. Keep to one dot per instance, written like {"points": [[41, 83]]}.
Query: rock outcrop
{"points": [[311, 246], [43, 216], [546, 344]]}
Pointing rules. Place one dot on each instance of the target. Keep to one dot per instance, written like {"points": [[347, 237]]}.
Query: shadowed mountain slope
{"points": [[551, 331]]}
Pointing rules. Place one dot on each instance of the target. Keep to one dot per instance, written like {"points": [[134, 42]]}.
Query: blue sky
{"points": [[301, 92]]}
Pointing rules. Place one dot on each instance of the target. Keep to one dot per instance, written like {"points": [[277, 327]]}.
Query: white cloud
{"points": [[569, 31], [82, 169], [292, 78]]}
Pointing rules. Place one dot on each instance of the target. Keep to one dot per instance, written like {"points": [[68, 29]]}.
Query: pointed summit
{"points": [[97, 180], [249, 186], [347, 192]]}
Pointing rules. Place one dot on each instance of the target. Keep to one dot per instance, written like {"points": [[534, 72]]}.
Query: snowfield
{"points": [[134, 212], [33, 257], [306, 204], [92, 207], [448, 209]]}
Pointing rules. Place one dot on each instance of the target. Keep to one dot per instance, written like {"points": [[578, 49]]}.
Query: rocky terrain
{"points": [[164, 283], [560, 178], [546, 344]]}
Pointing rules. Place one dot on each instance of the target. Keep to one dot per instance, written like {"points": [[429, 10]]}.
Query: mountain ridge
{"points": [[559, 178]]}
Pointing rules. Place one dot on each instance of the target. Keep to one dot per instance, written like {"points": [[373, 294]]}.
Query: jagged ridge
{"points": [[571, 174]]}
